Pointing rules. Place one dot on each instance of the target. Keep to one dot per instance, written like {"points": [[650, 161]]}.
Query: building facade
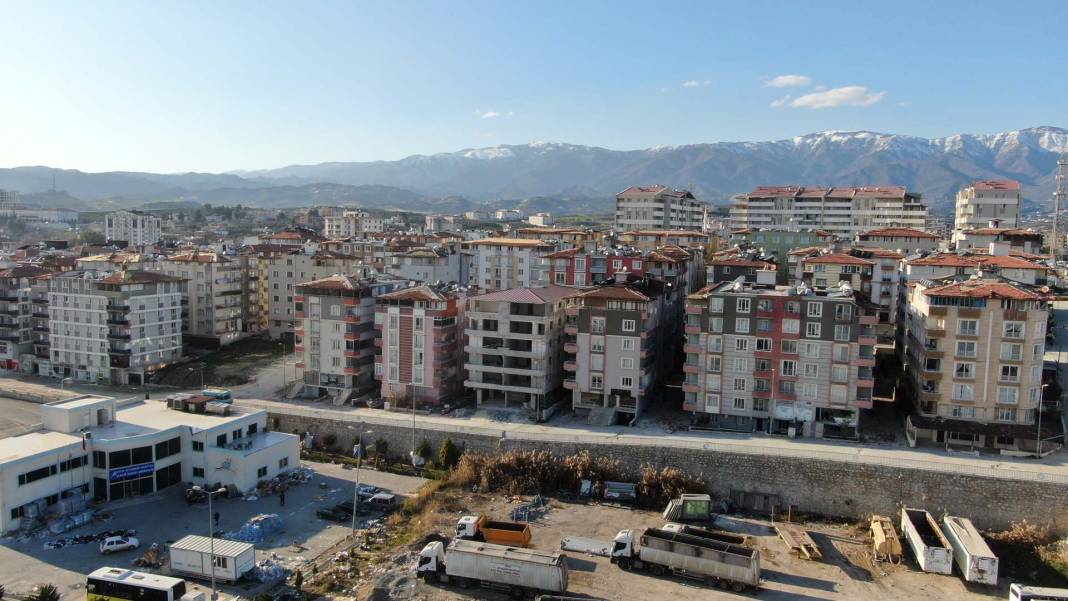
{"points": [[352, 223], [899, 239], [134, 227], [504, 263], [658, 207], [17, 323], [986, 201], [286, 271], [844, 212], [218, 296]]}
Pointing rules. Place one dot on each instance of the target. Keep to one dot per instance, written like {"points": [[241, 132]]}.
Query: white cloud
{"points": [[834, 97], [693, 83], [490, 115], [785, 81]]}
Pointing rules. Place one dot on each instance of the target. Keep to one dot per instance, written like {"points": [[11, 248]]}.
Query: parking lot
{"points": [[165, 517]]}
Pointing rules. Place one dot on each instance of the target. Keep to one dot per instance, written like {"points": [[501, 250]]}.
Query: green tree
{"points": [[89, 237], [381, 447], [424, 450], [449, 454], [45, 592]]}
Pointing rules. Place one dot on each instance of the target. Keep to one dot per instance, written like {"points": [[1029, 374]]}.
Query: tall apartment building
{"points": [[336, 338], [617, 353], [352, 223], [844, 212], [286, 271], [115, 327], [134, 227], [781, 359], [504, 263], [974, 362], [218, 295], [16, 317], [515, 346], [986, 201], [658, 207], [421, 332], [1016, 239], [899, 238], [581, 267], [871, 273], [650, 240], [445, 263]]}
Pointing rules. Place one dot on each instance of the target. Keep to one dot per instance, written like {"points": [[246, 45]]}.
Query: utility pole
{"points": [[1059, 198]]}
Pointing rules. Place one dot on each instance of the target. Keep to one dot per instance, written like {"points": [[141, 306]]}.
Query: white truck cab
{"points": [[431, 558], [624, 544], [467, 526]]}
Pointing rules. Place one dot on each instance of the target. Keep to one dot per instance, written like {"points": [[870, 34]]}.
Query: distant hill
{"points": [[568, 178]]}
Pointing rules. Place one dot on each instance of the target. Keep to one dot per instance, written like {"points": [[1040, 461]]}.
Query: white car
{"points": [[112, 544]]}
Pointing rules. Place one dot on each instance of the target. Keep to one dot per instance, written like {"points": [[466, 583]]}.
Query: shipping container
{"points": [[930, 546], [977, 563], [191, 556]]}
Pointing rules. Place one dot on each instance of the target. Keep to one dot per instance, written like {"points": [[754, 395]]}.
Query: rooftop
{"points": [[518, 242], [996, 184], [147, 417], [900, 232], [984, 288], [537, 296], [838, 259], [28, 445]]}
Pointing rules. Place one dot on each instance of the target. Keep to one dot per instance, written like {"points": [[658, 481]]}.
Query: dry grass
{"points": [[658, 486], [1030, 552]]}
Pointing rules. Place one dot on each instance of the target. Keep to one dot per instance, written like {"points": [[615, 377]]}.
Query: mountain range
{"points": [[572, 178]]}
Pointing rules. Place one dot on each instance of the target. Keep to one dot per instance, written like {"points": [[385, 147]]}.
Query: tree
{"points": [[381, 449], [424, 450], [45, 592], [449, 455], [89, 237]]}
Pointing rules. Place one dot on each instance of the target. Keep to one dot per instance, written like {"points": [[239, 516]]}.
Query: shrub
{"points": [[45, 592], [658, 486], [449, 454], [424, 450]]}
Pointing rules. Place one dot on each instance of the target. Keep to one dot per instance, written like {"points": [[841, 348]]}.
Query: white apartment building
{"points": [[94, 449], [503, 263], [217, 294], [444, 263], [986, 201], [286, 271], [541, 220], [515, 347], [658, 208], [844, 212], [133, 227], [352, 223], [899, 239], [113, 327]]}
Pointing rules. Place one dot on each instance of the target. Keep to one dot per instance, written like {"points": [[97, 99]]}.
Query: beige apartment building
{"points": [[986, 201], [505, 263], [844, 212], [218, 296], [974, 352], [286, 271], [658, 207]]}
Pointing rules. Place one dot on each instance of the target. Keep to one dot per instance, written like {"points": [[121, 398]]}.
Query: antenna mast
{"points": [[1059, 198]]}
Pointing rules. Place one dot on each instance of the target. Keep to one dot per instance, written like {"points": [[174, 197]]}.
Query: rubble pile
{"points": [[85, 539], [257, 528]]}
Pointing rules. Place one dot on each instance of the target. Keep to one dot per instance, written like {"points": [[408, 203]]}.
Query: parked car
{"points": [[113, 544], [333, 514]]}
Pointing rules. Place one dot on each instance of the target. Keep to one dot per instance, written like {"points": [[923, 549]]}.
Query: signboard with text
{"points": [[131, 471]]}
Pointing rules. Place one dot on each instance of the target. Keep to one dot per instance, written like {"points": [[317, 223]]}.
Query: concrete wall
{"points": [[834, 488]]}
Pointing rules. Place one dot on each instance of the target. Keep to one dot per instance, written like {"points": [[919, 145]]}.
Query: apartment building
{"points": [[505, 263], [336, 337], [286, 271], [899, 238], [514, 351], [133, 227], [650, 240], [1019, 240], [569, 236], [870, 272], [352, 223], [218, 296], [446, 263], [616, 353], [844, 212], [986, 201], [974, 362], [658, 207], [16, 317], [421, 331], [115, 327], [581, 267], [779, 359], [778, 243], [942, 265], [730, 268]]}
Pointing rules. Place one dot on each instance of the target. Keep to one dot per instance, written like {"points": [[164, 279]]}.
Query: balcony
{"points": [[691, 368], [570, 384], [299, 364], [572, 311], [691, 348], [350, 302], [352, 370], [298, 348], [692, 329], [870, 340], [353, 319], [570, 366], [571, 330], [353, 353], [298, 315], [688, 387], [117, 321], [570, 348]]}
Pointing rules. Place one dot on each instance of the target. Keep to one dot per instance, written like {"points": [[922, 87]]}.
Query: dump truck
{"points": [[720, 535], [521, 572], [977, 563], [930, 546], [715, 562], [885, 544], [478, 527]]}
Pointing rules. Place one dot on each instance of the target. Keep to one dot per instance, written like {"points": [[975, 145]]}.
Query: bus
{"points": [[1018, 592], [120, 584]]}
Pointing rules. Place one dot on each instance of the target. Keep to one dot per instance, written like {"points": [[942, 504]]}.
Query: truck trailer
{"points": [[930, 546], [191, 556], [479, 527], [522, 572], [720, 535], [715, 562], [976, 561]]}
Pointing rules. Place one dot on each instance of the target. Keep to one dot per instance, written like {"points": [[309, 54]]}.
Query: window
{"points": [[742, 305], [740, 384], [1008, 395], [198, 472], [967, 327], [712, 401], [1006, 414], [763, 325], [761, 385], [283, 463], [712, 382], [220, 562], [841, 352], [1011, 351], [741, 344], [840, 373], [841, 333], [1010, 373], [760, 405], [597, 344], [791, 326], [815, 309], [763, 344], [793, 307], [843, 312], [626, 363], [596, 382], [838, 394], [932, 364], [168, 448], [715, 305], [628, 344], [813, 329], [789, 368], [628, 325], [741, 325], [37, 474], [812, 370], [626, 382], [739, 403], [741, 364], [787, 387], [964, 370], [965, 349], [789, 346], [261, 472], [810, 350], [763, 305], [809, 391], [715, 324], [763, 365], [220, 440], [963, 392], [1014, 329], [715, 363], [597, 325], [715, 344]]}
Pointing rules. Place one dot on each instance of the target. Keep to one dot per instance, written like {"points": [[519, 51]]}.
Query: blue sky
{"points": [[199, 86]]}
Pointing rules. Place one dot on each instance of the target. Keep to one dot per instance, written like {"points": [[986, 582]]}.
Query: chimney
{"points": [[999, 249]]}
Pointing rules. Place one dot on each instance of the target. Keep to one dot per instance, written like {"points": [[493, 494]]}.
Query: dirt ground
{"points": [[231, 365], [845, 572]]}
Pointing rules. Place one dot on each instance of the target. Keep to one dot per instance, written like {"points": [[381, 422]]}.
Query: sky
{"points": [[218, 86]]}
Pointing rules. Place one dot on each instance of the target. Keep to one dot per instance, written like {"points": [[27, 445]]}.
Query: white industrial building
{"points": [[102, 449]]}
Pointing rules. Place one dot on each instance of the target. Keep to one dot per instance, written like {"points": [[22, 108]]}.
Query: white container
{"points": [[530, 569], [700, 557], [930, 546], [977, 563], [191, 556]]}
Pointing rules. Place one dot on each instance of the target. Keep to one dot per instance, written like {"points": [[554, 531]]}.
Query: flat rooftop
{"points": [[82, 401], [28, 445], [147, 417]]}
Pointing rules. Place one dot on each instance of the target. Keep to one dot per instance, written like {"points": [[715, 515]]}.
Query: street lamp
{"points": [[358, 452], [211, 535]]}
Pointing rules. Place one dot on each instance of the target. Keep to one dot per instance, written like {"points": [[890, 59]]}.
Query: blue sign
{"points": [[131, 471]]}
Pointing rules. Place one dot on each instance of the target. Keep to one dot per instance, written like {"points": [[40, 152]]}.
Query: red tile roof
{"points": [[742, 263], [198, 257], [954, 260], [534, 296], [899, 232], [645, 189], [425, 293], [881, 253], [838, 259], [996, 184], [138, 277], [983, 289], [613, 293], [567, 253], [1001, 231], [24, 271]]}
